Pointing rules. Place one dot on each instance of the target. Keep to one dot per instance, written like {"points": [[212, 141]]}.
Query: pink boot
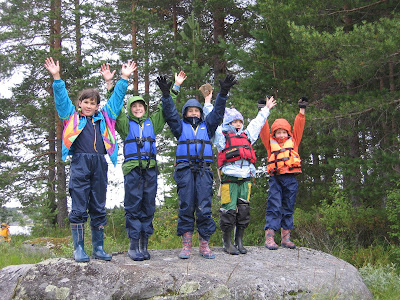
{"points": [[285, 239], [269, 239], [205, 250], [187, 245]]}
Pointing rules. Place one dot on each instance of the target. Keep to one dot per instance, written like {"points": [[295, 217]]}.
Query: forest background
{"points": [[342, 55]]}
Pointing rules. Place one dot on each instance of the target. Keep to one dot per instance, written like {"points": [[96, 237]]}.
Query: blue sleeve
{"points": [[65, 107], [172, 116], [114, 104], [215, 117]]}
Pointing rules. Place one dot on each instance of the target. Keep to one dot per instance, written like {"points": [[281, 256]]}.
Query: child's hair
{"points": [[89, 94]]}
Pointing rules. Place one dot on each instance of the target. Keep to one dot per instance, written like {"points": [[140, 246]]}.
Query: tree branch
{"points": [[357, 8], [355, 113]]}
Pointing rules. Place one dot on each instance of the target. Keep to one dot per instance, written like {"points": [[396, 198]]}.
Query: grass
{"points": [[15, 253]]}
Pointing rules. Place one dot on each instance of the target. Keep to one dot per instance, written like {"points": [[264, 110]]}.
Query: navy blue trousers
{"points": [[140, 201], [195, 190], [281, 198], [88, 188]]}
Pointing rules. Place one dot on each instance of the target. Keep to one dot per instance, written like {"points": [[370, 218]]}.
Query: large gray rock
{"points": [[260, 274]]}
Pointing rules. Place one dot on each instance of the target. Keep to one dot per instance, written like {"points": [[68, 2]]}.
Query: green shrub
{"points": [[382, 281], [393, 214]]}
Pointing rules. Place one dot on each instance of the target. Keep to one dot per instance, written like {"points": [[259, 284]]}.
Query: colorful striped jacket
{"points": [[74, 123]]}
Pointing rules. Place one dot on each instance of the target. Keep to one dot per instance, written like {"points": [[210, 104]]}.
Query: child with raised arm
{"points": [[283, 164], [89, 134], [194, 156], [138, 130], [236, 159]]}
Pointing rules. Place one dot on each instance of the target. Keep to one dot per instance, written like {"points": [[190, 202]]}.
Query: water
{"points": [[14, 229]]}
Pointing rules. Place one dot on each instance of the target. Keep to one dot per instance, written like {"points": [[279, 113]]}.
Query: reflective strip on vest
{"points": [[283, 159], [236, 147], [194, 145], [140, 141]]}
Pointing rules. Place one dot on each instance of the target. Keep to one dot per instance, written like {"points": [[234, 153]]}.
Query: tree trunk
{"points": [[134, 46], [62, 210], [146, 64]]}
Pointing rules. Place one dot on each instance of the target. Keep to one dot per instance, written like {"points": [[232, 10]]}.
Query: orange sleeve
{"points": [[298, 129], [265, 136]]}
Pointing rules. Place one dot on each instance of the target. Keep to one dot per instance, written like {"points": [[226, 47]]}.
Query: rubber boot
{"points": [[239, 240], [227, 220], [98, 243], [134, 252], [269, 239], [205, 250], [144, 240], [226, 239], [186, 245], [78, 236], [285, 239]]}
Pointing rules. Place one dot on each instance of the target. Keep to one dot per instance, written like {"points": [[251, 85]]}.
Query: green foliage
{"points": [[393, 212], [336, 225], [382, 280]]}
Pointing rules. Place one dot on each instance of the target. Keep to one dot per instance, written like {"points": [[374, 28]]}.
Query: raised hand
{"points": [[227, 84], [128, 69], [207, 99], [271, 102], [180, 78], [164, 85], [303, 102], [53, 68], [107, 74]]}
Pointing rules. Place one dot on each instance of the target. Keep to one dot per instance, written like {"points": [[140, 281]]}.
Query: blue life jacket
{"points": [[140, 144], [194, 145]]}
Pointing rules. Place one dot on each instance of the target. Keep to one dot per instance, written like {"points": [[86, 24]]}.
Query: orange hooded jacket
{"points": [[297, 134]]}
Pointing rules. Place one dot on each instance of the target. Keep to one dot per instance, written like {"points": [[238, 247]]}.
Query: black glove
{"points": [[164, 86], [261, 103], [227, 84], [303, 102]]}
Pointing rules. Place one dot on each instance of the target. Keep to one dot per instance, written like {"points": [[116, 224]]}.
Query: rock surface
{"points": [[260, 274]]}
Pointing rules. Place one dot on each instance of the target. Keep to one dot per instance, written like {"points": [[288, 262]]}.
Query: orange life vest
{"points": [[283, 159]]}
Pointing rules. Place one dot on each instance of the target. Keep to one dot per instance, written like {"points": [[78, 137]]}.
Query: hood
{"points": [[4, 224], [232, 114], [195, 103], [128, 108], [281, 123]]}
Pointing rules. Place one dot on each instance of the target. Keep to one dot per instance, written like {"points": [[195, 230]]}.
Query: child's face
{"points": [[88, 106], [281, 133], [138, 109], [237, 124], [193, 111]]}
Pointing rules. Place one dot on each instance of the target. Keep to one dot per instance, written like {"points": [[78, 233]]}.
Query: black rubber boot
{"points": [[242, 221], [227, 222], [78, 236], [144, 240], [239, 240], [228, 247], [134, 252]]}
